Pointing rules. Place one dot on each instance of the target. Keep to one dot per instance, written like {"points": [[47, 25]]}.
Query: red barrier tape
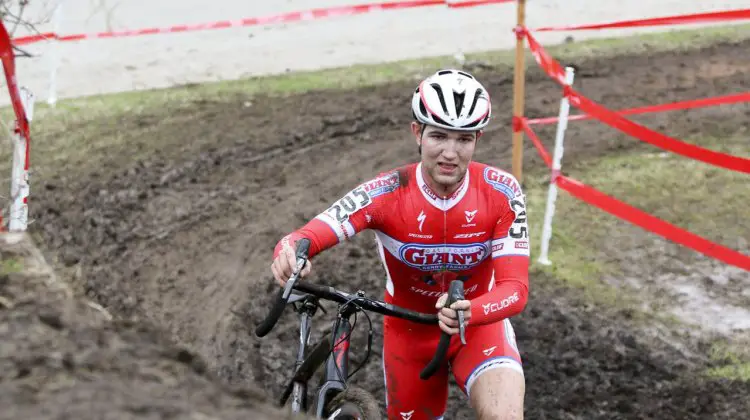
{"points": [[657, 139], [693, 103], [472, 3], [660, 21], [638, 217], [538, 143], [545, 61], [554, 70], [646, 221], [312, 14], [9, 66]]}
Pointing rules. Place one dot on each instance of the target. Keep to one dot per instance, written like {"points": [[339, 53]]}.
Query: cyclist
{"points": [[437, 220]]}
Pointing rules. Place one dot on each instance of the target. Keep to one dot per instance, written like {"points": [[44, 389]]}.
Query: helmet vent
{"points": [[439, 91], [458, 99], [422, 108], [476, 99]]}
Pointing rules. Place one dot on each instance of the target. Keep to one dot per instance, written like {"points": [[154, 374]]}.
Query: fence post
{"points": [[549, 212]]}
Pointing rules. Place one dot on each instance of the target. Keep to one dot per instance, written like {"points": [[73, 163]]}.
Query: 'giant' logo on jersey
{"points": [[439, 257], [503, 182], [382, 185]]}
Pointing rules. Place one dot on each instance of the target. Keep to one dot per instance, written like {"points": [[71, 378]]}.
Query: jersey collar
{"points": [[435, 199]]}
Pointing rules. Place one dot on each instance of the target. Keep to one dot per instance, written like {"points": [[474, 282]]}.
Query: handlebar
{"points": [[329, 293], [303, 246], [455, 292]]}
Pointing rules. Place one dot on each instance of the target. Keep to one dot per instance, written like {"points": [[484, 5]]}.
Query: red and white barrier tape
{"points": [[554, 70], [657, 139], [306, 15], [722, 16], [636, 216], [9, 66], [523, 124], [651, 223], [674, 106]]}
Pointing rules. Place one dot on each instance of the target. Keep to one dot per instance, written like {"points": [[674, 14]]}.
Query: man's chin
{"points": [[447, 181]]}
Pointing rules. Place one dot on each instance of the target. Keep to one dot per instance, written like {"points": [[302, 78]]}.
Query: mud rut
{"points": [[184, 238]]}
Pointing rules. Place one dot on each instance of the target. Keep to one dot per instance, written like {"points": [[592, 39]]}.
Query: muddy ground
{"points": [[63, 357], [183, 239]]}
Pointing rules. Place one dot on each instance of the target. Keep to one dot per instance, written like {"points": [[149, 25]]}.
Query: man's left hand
{"points": [[448, 317]]}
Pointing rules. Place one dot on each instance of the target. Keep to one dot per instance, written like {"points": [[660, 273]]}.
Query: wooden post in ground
{"points": [[518, 93]]}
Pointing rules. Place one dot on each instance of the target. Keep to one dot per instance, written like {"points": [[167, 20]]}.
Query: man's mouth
{"points": [[447, 167]]}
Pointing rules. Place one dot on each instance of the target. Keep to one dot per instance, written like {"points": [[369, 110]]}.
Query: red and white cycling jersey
{"points": [[479, 235]]}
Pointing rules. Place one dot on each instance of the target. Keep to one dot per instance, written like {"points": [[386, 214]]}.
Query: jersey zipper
{"points": [[444, 287]]}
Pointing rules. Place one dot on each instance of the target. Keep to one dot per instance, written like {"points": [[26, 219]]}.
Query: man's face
{"points": [[445, 153]]}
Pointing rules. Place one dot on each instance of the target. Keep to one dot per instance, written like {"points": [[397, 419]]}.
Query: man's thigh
{"points": [[490, 352], [405, 354]]}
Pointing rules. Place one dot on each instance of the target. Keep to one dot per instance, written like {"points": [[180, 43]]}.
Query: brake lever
{"points": [[303, 247], [458, 294], [462, 327]]}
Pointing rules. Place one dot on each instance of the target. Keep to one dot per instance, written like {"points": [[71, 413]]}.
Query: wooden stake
{"points": [[518, 93]]}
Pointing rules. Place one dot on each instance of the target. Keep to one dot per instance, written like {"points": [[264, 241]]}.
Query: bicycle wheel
{"points": [[353, 404]]}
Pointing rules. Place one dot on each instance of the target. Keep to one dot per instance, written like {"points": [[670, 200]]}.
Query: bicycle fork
{"points": [[337, 363], [299, 389]]}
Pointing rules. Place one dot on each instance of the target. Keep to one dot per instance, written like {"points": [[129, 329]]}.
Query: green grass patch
{"points": [[573, 263], [733, 361], [10, 266], [684, 192]]}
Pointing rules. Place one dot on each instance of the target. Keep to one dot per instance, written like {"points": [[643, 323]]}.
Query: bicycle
{"points": [[335, 398]]}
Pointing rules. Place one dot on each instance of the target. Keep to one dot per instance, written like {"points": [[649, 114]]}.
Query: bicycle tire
{"points": [[353, 403]]}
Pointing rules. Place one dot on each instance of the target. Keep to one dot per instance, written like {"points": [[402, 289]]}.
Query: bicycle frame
{"points": [[336, 361]]}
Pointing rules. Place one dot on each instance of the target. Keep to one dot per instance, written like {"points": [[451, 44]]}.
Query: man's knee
{"points": [[498, 394]]}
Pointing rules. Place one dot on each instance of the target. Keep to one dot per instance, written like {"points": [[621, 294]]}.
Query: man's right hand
{"points": [[285, 263]]}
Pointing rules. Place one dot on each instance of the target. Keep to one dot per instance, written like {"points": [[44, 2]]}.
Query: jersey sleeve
{"points": [[359, 209], [510, 260]]}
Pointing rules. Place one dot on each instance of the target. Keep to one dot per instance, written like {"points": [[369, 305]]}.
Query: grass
{"points": [[684, 192], [733, 361], [568, 254], [10, 266], [668, 186], [672, 188]]}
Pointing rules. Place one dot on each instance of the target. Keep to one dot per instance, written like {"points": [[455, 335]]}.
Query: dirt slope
{"points": [[184, 238], [64, 357]]}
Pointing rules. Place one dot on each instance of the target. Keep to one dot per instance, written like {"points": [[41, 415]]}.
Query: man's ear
{"points": [[479, 134], [416, 129]]}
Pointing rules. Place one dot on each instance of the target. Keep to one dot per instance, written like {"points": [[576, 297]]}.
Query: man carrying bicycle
{"points": [[443, 218]]}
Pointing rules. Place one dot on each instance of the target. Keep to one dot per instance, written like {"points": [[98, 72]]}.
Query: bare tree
{"points": [[12, 14], [15, 15]]}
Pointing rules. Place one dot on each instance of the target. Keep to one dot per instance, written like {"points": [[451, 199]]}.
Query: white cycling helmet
{"points": [[452, 99]]}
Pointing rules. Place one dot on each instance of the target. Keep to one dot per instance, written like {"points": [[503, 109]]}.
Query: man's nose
{"points": [[449, 151]]}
